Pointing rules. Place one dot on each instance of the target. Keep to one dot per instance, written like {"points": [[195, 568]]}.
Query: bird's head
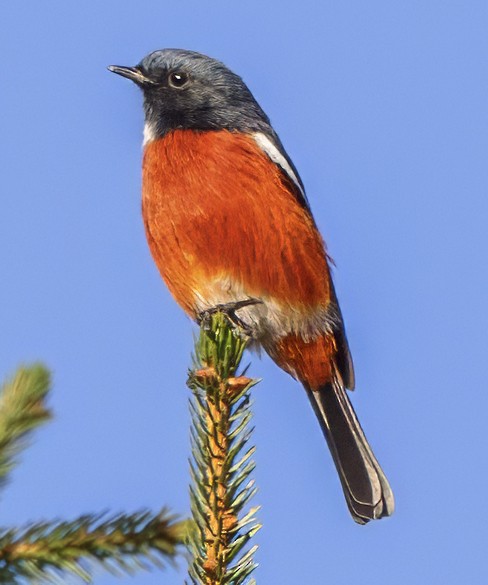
{"points": [[188, 90]]}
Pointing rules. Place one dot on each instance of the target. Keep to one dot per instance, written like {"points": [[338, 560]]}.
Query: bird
{"points": [[228, 224]]}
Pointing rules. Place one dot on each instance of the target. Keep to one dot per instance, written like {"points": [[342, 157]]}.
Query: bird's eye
{"points": [[178, 79]]}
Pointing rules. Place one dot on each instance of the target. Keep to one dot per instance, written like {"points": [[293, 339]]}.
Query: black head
{"points": [[184, 89]]}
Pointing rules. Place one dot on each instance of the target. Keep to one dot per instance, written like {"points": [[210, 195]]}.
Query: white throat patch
{"points": [[149, 134]]}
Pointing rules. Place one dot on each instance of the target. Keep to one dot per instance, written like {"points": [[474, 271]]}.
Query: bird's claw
{"points": [[229, 310]]}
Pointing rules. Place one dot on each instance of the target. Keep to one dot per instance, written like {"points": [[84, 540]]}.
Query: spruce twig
{"points": [[121, 543], [45, 551], [221, 459], [22, 409]]}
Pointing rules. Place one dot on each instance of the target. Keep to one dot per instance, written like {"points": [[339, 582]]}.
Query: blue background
{"points": [[383, 107]]}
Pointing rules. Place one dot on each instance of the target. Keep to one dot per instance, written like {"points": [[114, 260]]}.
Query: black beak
{"points": [[132, 73]]}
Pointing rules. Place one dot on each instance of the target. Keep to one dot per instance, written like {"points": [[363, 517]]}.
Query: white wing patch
{"points": [[267, 146]]}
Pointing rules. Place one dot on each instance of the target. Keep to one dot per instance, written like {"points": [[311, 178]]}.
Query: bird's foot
{"points": [[229, 310]]}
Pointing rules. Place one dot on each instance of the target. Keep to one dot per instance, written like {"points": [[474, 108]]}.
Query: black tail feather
{"points": [[367, 491]]}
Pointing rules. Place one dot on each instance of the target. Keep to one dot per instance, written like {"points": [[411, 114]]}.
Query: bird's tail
{"points": [[367, 491]]}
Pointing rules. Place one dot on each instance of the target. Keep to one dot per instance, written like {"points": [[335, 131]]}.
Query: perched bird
{"points": [[228, 224]]}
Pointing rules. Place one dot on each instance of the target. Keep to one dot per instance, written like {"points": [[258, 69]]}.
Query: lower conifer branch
{"points": [[125, 542], [45, 551]]}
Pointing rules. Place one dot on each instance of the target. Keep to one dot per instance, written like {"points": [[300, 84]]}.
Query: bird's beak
{"points": [[132, 73]]}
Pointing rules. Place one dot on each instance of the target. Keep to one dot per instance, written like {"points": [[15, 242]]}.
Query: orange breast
{"points": [[217, 209]]}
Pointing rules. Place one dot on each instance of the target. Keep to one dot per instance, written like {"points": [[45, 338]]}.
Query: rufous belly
{"points": [[223, 224]]}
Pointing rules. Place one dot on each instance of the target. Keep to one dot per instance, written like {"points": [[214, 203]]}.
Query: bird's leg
{"points": [[229, 310]]}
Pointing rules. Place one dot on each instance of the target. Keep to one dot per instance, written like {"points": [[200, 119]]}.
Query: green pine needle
{"points": [[221, 464], [22, 409]]}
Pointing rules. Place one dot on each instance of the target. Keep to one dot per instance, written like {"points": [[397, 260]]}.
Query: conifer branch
{"points": [[46, 550], [221, 459], [22, 409], [122, 543]]}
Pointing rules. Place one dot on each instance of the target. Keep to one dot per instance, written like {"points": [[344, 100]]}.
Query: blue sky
{"points": [[383, 108]]}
